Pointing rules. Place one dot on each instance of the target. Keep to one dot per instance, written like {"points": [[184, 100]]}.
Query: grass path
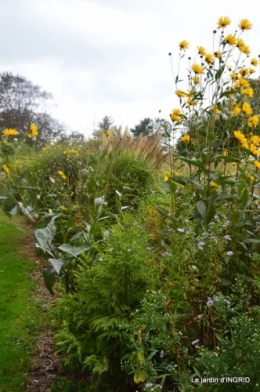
{"points": [[21, 318]]}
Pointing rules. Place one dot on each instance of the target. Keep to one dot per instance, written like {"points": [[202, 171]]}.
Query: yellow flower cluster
{"points": [[213, 184]]}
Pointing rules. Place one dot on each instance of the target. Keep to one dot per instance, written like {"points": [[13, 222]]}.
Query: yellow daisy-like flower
{"points": [[198, 69], [223, 22], [166, 178], [254, 62], [244, 24], [246, 108], [244, 71], [180, 93], [201, 51], [9, 132], [34, 130], [5, 169], [215, 110], [234, 76], [242, 139], [214, 184], [176, 115], [253, 149], [183, 45], [251, 178], [240, 43], [251, 70], [257, 164], [209, 58], [244, 82], [253, 121], [191, 102], [248, 91], [245, 49], [230, 39], [60, 172], [196, 79], [225, 153], [236, 111], [218, 54], [108, 133], [255, 139], [186, 138]]}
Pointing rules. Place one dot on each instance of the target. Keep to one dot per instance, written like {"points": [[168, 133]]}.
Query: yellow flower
{"points": [[183, 45], [63, 208], [254, 62], [248, 91], [245, 49], [244, 82], [251, 70], [186, 138], [253, 121], [251, 178], [234, 76], [242, 139], [236, 111], [180, 93], [215, 110], [257, 164], [214, 184], [196, 79], [230, 39], [225, 153], [244, 24], [255, 139], [62, 175], [253, 149], [223, 22], [246, 108], [218, 54], [244, 71], [176, 115], [191, 102], [209, 58], [198, 69], [108, 133], [34, 130], [201, 51], [5, 169], [29, 135], [9, 132], [240, 43]]}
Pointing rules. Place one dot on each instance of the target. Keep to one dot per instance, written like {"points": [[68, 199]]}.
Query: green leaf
{"points": [[202, 209], [193, 162], [140, 376], [162, 210], [57, 264], [73, 250], [49, 278], [45, 237]]}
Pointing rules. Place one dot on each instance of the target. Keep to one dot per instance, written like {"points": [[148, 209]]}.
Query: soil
{"points": [[45, 364]]}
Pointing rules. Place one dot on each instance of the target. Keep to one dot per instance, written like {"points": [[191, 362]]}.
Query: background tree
{"points": [[146, 127], [106, 125], [23, 103]]}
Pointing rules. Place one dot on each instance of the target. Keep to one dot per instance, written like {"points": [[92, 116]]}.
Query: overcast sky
{"points": [[110, 57]]}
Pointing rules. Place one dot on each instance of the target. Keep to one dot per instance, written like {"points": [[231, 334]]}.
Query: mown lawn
{"points": [[20, 319]]}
